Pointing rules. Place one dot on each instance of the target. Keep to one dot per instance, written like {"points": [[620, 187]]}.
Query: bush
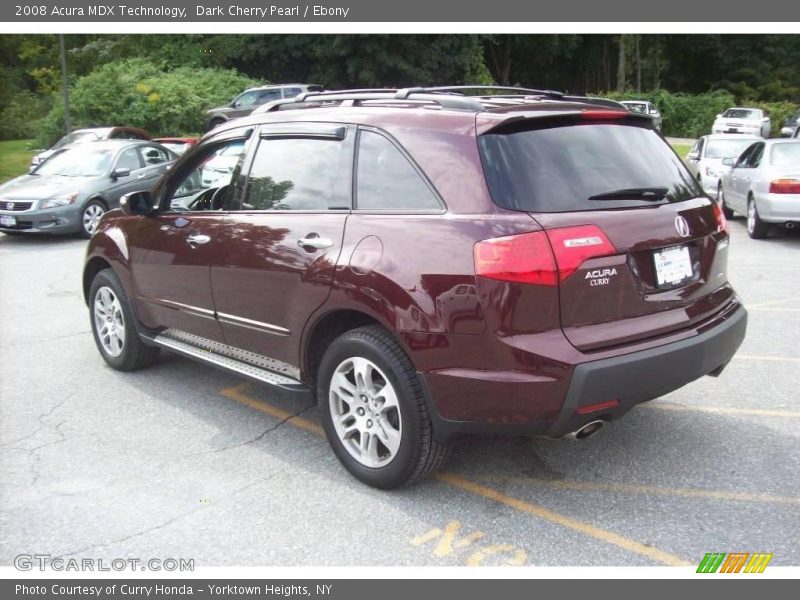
{"points": [[138, 93], [691, 115], [22, 117]]}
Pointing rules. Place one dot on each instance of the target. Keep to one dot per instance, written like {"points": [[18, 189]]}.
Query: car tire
{"points": [[91, 214], [114, 325], [727, 212], [374, 410], [756, 228]]}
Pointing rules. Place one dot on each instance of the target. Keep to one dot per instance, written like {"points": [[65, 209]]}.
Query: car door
{"points": [[749, 175], [695, 156], [156, 161], [174, 250], [127, 160], [281, 243], [733, 191], [245, 103]]}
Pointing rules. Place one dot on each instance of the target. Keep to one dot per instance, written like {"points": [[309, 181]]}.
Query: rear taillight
{"points": [[784, 186], [541, 258], [572, 246], [719, 217], [524, 258]]}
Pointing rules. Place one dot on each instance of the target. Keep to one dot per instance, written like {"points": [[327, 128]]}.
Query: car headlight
{"points": [[59, 201]]}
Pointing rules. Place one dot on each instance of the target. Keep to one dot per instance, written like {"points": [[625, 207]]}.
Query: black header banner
{"points": [[439, 11]]}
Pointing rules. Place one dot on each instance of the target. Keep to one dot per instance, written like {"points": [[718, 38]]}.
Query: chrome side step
{"points": [[211, 357]]}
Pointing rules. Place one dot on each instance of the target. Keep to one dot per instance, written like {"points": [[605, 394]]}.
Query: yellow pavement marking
{"points": [[549, 515], [723, 410], [236, 393], [766, 358], [647, 490]]}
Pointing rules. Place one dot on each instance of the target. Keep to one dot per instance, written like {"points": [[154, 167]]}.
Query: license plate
{"points": [[8, 221], [732, 130], [673, 265]]}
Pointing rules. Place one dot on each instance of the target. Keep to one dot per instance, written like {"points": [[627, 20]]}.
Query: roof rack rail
{"points": [[504, 88], [453, 101]]}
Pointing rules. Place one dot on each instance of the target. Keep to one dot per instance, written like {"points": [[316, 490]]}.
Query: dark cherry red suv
{"points": [[426, 262]]}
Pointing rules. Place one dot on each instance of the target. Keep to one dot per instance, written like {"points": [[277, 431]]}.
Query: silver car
{"points": [[705, 158], [71, 190], [645, 107], [750, 121], [764, 184]]}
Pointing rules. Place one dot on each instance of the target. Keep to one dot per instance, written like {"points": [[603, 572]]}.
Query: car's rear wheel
{"points": [[729, 214], [756, 228], [214, 123], [374, 410], [90, 217], [114, 327]]}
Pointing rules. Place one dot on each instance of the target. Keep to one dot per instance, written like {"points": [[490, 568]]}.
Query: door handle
{"points": [[314, 241], [198, 238], [140, 176]]}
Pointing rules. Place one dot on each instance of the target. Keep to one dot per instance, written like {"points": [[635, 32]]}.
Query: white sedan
{"points": [[764, 184], [705, 158], [752, 121]]}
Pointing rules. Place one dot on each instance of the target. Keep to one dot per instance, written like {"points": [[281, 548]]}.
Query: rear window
{"points": [[785, 155], [740, 113], [558, 168]]}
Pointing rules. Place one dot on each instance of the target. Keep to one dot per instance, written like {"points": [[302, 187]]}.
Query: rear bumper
{"points": [[629, 378], [779, 208]]}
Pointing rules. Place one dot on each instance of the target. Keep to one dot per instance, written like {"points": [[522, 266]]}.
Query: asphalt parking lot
{"points": [[184, 461]]}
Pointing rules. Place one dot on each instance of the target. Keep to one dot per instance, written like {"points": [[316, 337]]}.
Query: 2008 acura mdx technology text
{"points": [[426, 263]]}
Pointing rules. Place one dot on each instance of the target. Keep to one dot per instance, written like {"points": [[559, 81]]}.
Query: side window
{"points": [[213, 179], [755, 157], [386, 180], [128, 159], [299, 174], [744, 157], [119, 134], [700, 144], [291, 92], [247, 99], [269, 96], [151, 155]]}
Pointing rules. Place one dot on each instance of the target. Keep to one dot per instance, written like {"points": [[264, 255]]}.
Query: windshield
{"points": [[786, 155], [741, 113], [726, 148], [76, 137], [77, 162], [637, 107], [558, 169]]}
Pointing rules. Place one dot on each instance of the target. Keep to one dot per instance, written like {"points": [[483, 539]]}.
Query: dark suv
{"points": [[427, 263], [246, 102]]}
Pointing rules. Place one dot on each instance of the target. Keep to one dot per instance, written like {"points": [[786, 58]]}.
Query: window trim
{"points": [[319, 130], [393, 211], [135, 148]]}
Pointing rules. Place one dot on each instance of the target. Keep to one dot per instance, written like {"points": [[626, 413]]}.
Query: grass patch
{"points": [[682, 149], [15, 156]]}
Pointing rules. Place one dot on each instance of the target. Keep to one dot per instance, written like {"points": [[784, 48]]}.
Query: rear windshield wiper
{"points": [[652, 194]]}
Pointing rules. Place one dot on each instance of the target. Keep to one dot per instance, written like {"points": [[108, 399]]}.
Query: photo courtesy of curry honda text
{"points": [[426, 262]]}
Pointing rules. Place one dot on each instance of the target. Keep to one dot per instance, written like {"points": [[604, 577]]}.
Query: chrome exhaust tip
{"points": [[587, 430]]}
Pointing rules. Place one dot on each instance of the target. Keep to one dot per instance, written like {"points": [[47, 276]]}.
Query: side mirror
{"points": [[117, 173], [719, 115], [136, 203], [693, 156], [653, 111], [728, 162]]}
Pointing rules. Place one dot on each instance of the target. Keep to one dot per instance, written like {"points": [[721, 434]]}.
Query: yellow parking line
{"points": [[549, 515], [647, 490], [723, 410], [237, 393], [766, 358]]}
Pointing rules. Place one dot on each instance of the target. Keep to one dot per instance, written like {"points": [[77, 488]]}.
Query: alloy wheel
{"points": [[91, 217], [109, 321], [365, 412]]}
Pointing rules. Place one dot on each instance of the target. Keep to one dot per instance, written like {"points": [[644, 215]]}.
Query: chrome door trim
{"points": [[251, 324], [195, 310]]}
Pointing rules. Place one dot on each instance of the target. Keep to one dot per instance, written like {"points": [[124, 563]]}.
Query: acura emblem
{"points": [[9, 206], [681, 226]]}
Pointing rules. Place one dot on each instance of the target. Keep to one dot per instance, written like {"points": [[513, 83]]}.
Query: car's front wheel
{"points": [[113, 325], [374, 410], [756, 228], [90, 217]]}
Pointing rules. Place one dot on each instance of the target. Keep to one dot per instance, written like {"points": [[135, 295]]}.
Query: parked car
{"points": [[71, 190], [705, 158], [791, 126], [243, 104], [750, 121], [331, 264], [645, 107], [80, 136], [178, 145], [764, 184], [217, 170]]}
